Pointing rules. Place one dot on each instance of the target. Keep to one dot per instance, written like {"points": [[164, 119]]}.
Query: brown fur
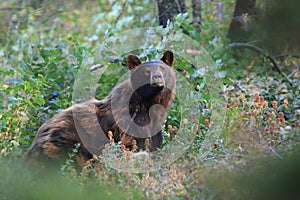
{"points": [[86, 123]]}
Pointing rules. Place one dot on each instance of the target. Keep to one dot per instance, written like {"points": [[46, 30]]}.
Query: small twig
{"points": [[222, 156], [112, 59], [95, 67], [292, 74], [121, 13], [270, 148], [275, 152], [280, 142], [116, 59]]}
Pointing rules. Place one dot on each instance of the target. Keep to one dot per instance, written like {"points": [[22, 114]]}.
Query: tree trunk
{"points": [[168, 9], [196, 5], [240, 23]]}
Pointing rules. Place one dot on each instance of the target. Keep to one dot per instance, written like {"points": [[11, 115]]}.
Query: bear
{"points": [[133, 112]]}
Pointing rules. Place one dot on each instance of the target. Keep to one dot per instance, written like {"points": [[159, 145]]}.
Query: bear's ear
{"points": [[133, 61], [168, 58]]}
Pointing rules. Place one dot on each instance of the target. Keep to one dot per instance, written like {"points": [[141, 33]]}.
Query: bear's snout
{"points": [[157, 80]]}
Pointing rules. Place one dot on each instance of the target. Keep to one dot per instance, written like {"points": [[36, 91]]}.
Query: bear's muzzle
{"points": [[157, 80]]}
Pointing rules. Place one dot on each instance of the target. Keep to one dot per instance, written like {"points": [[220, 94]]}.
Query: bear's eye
{"points": [[161, 68], [147, 72]]}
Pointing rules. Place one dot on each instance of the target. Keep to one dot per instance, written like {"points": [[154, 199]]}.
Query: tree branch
{"points": [[287, 55], [264, 53]]}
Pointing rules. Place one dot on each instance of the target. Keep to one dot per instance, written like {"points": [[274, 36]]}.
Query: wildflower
{"points": [[243, 99], [284, 105], [256, 98], [242, 114], [256, 105], [281, 115], [261, 99], [170, 128], [134, 148], [286, 101], [185, 121], [274, 104], [273, 125], [133, 142], [265, 103], [235, 104]]}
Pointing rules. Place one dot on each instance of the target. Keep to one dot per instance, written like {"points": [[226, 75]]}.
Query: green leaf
{"points": [[3, 87]]}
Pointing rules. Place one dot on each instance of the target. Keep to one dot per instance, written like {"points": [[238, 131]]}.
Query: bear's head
{"points": [[153, 85], [150, 78]]}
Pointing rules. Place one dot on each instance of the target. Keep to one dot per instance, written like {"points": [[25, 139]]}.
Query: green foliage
{"points": [[18, 182], [41, 85]]}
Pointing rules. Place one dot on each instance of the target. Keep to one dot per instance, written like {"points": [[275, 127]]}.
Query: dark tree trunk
{"points": [[240, 23], [196, 5], [168, 9]]}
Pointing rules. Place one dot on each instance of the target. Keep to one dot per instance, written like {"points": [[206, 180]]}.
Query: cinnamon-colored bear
{"points": [[134, 109]]}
